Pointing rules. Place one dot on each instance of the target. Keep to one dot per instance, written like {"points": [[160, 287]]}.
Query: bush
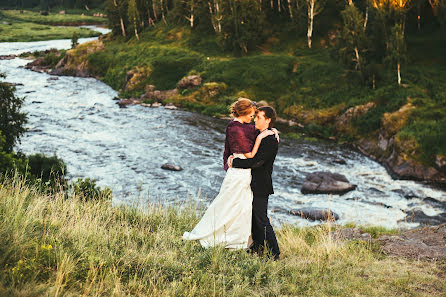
{"points": [[254, 72], [52, 58], [50, 171], [12, 121], [86, 189], [321, 131], [10, 161]]}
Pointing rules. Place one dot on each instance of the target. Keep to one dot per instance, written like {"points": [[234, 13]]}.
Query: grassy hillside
{"points": [[57, 246]]}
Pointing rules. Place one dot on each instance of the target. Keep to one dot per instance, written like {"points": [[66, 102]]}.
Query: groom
{"points": [[261, 184]]}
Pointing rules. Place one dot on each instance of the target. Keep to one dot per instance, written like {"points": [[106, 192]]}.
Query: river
{"points": [[124, 148]]}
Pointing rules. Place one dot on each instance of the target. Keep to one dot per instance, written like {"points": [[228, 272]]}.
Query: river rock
{"points": [[440, 163], [423, 243], [326, 183], [406, 168], [149, 88], [171, 167], [339, 161], [38, 65], [12, 84], [170, 106], [137, 76], [289, 123], [343, 121], [7, 57], [351, 234], [156, 104], [315, 214], [158, 95], [418, 216], [189, 82], [435, 203], [130, 101]]}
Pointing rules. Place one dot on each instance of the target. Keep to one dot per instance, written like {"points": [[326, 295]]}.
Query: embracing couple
{"points": [[237, 218]]}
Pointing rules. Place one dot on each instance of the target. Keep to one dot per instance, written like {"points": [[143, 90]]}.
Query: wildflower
{"points": [[46, 247]]}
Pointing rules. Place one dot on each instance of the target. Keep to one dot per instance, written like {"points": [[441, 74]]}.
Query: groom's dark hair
{"points": [[270, 113]]}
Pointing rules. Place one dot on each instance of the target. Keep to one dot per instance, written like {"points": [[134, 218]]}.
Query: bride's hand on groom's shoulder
{"points": [[276, 134], [273, 131]]}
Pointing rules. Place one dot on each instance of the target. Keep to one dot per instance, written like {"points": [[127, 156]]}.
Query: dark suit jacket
{"points": [[262, 166]]}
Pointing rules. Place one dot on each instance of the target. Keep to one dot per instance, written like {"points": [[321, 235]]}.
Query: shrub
{"points": [[50, 171], [86, 189], [254, 72]]}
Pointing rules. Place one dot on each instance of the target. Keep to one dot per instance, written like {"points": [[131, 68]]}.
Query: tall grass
{"points": [[53, 245]]}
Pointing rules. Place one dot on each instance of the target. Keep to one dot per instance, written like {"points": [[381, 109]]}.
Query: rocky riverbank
{"points": [[427, 243]]}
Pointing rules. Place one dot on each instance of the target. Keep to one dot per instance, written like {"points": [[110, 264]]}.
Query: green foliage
{"points": [[242, 24], [262, 77], [49, 170], [210, 110], [74, 40], [12, 121], [10, 162], [353, 42], [134, 17], [397, 51], [387, 99], [168, 64], [318, 130], [428, 126], [52, 58], [169, 69], [86, 189]]}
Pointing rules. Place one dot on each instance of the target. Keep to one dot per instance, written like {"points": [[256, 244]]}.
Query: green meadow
{"points": [[31, 26], [54, 244]]}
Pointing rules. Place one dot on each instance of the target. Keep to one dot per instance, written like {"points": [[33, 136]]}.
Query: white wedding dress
{"points": [[227, 221]]}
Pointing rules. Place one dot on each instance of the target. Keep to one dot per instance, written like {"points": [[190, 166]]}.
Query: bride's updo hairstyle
{"points": [[242, 107]]}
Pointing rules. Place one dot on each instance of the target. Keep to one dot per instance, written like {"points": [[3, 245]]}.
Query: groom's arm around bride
{"points": [[261, 184]]}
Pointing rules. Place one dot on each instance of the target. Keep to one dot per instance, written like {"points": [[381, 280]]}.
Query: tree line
{"points": [[369, 32]]}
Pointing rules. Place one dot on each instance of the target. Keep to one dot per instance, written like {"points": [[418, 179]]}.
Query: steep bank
{"points": [[402, 127], [54, 245]]}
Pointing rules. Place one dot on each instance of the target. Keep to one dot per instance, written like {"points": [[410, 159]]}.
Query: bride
{"points": [[227, 221]]}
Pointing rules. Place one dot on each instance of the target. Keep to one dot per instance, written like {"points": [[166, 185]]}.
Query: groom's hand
{"points": [[230, 161]]}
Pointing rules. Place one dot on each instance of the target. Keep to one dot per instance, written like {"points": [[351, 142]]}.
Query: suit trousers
{"points": [[262, 231]]}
